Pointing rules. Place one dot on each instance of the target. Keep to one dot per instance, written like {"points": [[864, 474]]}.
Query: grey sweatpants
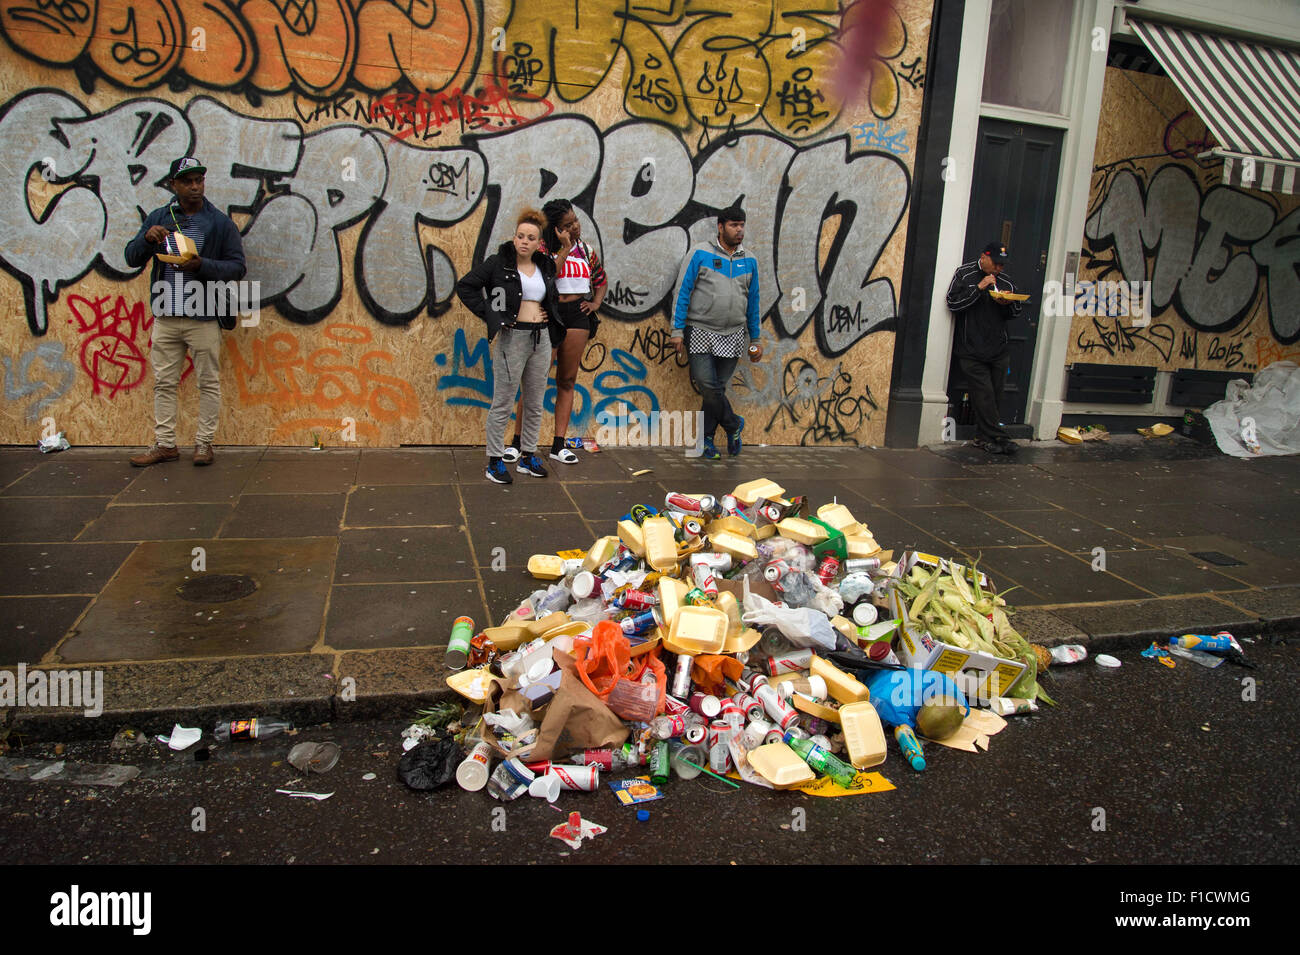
{"points": [[519, 358]]}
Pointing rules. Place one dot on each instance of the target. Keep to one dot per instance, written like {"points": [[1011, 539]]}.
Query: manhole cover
{"points": [[217, 588], [1217, 558]]}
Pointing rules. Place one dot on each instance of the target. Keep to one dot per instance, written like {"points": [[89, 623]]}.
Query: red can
{"points": [[672, 705], [752, 709], [705, 704], [729, 705], [791, 662], [636, 600], [774, 570], [695, 734], [720, 734], [683, 502], [577, 778], [704, 579], [827, 569]]}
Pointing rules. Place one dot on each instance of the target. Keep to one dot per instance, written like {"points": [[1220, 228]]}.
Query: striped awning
{"points": [[1246, 93]]}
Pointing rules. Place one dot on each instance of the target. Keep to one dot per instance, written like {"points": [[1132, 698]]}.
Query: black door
{"points": [[1013, 192]]}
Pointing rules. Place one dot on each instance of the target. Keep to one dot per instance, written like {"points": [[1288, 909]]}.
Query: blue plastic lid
{"points": [[642, 815]]}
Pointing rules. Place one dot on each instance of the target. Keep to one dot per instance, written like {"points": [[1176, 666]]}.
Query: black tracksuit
{"points": [[980, 344]]}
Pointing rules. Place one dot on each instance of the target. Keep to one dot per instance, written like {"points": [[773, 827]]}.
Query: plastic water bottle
{"points": [[823, 762], [910, 746], [250, 729]]}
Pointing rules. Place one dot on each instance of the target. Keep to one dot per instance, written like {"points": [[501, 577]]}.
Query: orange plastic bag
{"points": [[656, 666], [709, 670], [603, 658]]}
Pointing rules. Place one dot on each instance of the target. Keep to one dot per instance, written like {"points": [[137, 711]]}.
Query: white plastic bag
{"points": [[805, 627]]}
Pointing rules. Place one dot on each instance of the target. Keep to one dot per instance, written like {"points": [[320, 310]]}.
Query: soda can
{"points": [[640, 513], [770, 512], [637, 600], [729, 504], [674, 706], [696, 597], [462, 632], [682, 676], [576, 778], [704, 578], [774, 570], [782, 713], [791, 662], [691, 529], [696, 733], [861, 565], [639, 623], [755, 734], [684, 503], [774, 735], [798, 732], [705, 704], [822, 741], [827, 569]]}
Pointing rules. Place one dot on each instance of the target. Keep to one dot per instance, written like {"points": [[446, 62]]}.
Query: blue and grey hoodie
{"points": [[718, 291]]}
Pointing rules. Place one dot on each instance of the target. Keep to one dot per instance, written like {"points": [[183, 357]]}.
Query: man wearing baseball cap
{"points": [[980, 344], [187, 297]]}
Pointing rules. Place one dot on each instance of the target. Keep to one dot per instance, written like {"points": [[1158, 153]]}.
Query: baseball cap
{"points": [[184, 166], [996, 251]]}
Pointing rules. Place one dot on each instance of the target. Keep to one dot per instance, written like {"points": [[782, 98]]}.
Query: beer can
{"points": [[696, 734], [691, 528], [672, 705], [704, 578], [782, 713], [770, 512], [705, 704], [755, 734], [728, 705], [729, 504], [682, 676], [827, 569], [639, 513], [577, 778], [683, 502], [774, 735], [719, 737], [695, 597], [774, 570], [791, 662], [639, 623], [462, 632], [861, 565], [752, 709]]}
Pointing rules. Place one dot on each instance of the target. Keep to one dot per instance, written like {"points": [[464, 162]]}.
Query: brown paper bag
{"points": [[574, 719]]}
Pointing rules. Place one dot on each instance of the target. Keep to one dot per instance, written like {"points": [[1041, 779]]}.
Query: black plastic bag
{"points": [[429, 765]]}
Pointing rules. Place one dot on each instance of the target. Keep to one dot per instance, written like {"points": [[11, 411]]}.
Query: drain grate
{"points": [[1218, 558], [217, 588]]}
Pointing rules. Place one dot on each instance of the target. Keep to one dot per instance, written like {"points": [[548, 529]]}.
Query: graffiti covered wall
{"points": [[1221, 261], [372, 151]]}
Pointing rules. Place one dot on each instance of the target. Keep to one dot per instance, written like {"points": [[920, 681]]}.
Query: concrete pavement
{"points": [[322, 584]]}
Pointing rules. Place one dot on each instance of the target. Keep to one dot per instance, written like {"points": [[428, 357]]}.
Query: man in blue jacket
{"points": [[980, 345], [715, 318], [187, 298]]}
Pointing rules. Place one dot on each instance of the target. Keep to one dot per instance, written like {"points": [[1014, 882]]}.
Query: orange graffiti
{"points": [[137, 42], [1268, 351], [218, 44], [428, 43], [47, 31], [279, 376]]}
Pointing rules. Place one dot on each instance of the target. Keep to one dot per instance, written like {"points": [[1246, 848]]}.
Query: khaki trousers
{"points": [[171, 338]]}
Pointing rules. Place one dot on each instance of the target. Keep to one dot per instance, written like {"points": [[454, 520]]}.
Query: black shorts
{"points": [[572, 316]]}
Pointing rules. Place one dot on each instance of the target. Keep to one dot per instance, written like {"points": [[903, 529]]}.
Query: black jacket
{"points": [[981, 322], [476, 291], [222, 258]]}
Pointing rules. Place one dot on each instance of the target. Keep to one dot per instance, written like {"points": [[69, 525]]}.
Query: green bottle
{"points": [[823, 762], [659, 763]]}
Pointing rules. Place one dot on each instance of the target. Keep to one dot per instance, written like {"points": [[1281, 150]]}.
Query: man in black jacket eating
{"points": [[976, 298]]}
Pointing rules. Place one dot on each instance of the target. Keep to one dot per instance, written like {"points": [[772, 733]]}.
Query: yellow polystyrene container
{"points": [[863, 735], [740, 548], [764, 531], [751, 491], [780, 765], [732, 523], [672, 597], [839, 517], [601, 551], [660, 546], [842, 687], [697, 630], [546, 566], [740, 642], [629, 532], [729, 605], [861, 545], [797, 529], [845, 626]]}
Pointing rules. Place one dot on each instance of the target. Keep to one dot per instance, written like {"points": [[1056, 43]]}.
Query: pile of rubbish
{"points": [[740, 636]]}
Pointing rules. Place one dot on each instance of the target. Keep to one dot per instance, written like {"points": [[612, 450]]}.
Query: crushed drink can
{"points": [[790, 662], [682, 676], [704, 578], [827, 570], [696, 597], [674, 705]]}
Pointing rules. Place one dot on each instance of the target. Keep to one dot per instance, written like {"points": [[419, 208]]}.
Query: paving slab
{"points": [[525, 496], [33, 626], [520, 538], [279, 515], [1257, 567], [407, 466], [374, 616], [304, 472], [77, 568], [964, 527], [223, 480], [1052, 576], [68, 477], [154, 696], [140, 522], [1278, 607], [1067, 530], [1166, 573], [16, 462], [35, 519], [396, 505], [399, 554], [141, 615]]}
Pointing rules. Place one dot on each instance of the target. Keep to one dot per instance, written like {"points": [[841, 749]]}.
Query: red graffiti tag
{"points": [[110, 354], [411, 114]]}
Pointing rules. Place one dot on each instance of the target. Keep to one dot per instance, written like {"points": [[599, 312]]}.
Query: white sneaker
{"points": [[510, 455], [565, 456]]}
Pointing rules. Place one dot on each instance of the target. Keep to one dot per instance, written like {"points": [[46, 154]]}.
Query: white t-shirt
{"points": [[534, 286]]}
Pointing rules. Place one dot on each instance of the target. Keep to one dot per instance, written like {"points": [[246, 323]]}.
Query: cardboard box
{"points": [[971, 670]]}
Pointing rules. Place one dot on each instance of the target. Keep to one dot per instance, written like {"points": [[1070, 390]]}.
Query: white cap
{"points": [[584, 583], [817, 687], [865, 614]]}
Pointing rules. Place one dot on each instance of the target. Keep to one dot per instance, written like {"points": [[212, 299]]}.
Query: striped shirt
{"points": [[174, 301]]}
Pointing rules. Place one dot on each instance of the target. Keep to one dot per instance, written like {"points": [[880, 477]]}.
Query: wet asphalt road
{"points": [[1185, 769]]}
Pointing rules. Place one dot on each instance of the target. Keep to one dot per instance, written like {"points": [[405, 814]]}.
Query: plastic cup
{"points": [[472, 774], [545, 787]]}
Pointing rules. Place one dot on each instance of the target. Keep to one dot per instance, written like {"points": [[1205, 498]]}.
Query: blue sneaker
{"points": [[733, 437], [531, 464], [497, 473], [710, 452]]}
